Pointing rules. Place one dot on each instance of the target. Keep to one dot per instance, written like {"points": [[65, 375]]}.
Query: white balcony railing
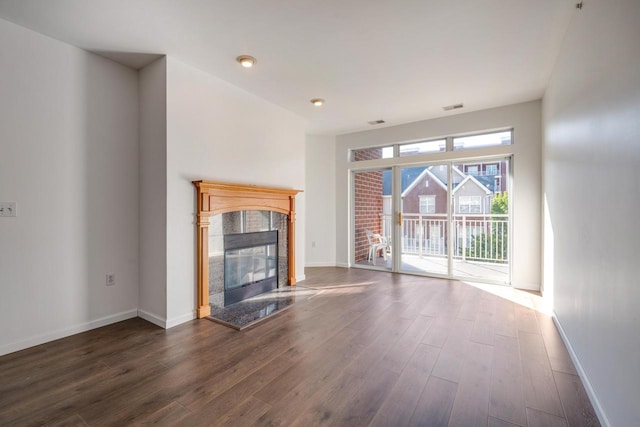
{"points": [[476, 237]]}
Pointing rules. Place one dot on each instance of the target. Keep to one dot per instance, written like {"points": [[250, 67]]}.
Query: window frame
{"points": [[449, 146]]}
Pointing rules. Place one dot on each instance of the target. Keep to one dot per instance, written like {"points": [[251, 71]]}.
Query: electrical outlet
{"points": [[111, 279], [8, 209]]}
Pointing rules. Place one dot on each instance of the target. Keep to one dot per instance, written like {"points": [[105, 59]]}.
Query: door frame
{"points": [[396, 196]]}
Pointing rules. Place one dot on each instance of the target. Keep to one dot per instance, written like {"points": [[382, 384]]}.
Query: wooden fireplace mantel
{"points": [[220, 197]]}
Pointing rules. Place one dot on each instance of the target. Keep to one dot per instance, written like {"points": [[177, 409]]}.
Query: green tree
{"points": [[493, 245], [500, 204]]}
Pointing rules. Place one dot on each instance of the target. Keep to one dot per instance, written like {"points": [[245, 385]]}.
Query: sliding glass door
{"points": [[480, 220], [424, 219], [371, 222], [447, 219]]}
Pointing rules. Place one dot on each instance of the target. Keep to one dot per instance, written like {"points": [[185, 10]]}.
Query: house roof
{"points": [[412, 176], [442, 175], [409, 175], [472, 179], [488, 182], [420, 177]]}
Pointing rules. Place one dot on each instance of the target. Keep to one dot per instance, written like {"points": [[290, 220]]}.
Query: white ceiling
{"points": [[400, 60]]}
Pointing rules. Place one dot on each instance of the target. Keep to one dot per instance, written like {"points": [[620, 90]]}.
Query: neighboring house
{"points": [[424, 189], [494, 171], [427, 194], [424, 202], [470, 197], [408, 176]]}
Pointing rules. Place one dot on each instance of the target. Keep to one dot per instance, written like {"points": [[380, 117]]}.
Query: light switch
{"points": [[8, 209]]}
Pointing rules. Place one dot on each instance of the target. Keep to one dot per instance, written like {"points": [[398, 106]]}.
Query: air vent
{"points": [[452, 107], [376, 122]]}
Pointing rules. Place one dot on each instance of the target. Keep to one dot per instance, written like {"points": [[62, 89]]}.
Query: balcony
{"points": [[480, 245]]}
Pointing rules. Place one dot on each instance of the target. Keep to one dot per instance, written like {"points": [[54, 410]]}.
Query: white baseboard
{"points": [[602, 417], [178, 320], [343, 264], [526, 286], [150, 317], [166, 323], [320, 264], [62, 333], [301, 278]]}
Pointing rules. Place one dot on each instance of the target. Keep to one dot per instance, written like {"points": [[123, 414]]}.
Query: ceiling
{"points": [[399, 61]]}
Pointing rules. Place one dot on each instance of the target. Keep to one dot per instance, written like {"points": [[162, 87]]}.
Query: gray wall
{"points": [[69, 158], [592, 238]]}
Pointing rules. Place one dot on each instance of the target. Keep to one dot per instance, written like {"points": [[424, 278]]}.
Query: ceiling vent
{"points": [[376, 122], [452, 107]]}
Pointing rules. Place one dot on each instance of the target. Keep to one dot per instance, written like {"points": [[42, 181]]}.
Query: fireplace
{"points": [[247, 231], [247, 255], [250, 265]]}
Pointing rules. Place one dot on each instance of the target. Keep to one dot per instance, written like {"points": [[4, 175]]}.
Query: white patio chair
{"points": [[376, 242]]}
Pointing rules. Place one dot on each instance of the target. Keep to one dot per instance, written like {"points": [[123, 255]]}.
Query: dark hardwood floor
{"points": [[371, 349]]}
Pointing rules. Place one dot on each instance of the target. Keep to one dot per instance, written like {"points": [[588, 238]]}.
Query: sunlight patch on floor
{"points": [[529, 299]]}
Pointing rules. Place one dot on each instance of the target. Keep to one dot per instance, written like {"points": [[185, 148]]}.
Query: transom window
{"points": [[481, 141], [451, 143], [372, 153], [423, 147]]}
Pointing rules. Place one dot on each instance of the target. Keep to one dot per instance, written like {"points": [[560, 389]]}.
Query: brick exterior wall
{"points": [[367, 154], [368, 208]]}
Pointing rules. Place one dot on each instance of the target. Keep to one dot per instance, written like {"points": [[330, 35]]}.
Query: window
{"points": [[372, 153], [423, 147], [469, 204], [434, 146], [472, 170], [492, 170], [427, 204], [497, 187], [480, 141]]}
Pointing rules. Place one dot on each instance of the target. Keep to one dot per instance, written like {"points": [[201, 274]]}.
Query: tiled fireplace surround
{"points": [[243, 222], [224, 208]]}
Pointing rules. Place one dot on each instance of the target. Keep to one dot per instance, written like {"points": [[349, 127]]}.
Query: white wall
{"points": [[219, 132], [153, 192], [592, 239], [524, 118], [321, 201], [69, 158]]}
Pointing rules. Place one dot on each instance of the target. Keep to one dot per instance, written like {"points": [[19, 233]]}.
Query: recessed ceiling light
{"points": [[246, 61], [317, 101]]}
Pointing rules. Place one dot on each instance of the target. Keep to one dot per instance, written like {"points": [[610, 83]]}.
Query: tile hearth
{"points": [[250, 311]]}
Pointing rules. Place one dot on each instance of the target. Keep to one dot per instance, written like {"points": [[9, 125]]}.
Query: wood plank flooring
{"points": [[373, 348]]}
